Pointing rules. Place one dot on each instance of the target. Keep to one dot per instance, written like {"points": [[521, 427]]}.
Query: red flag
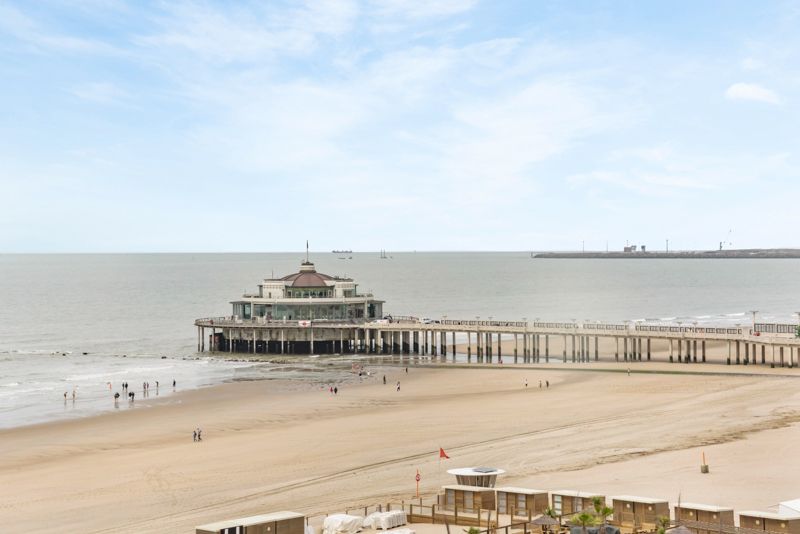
{"points": [[443, 454]]}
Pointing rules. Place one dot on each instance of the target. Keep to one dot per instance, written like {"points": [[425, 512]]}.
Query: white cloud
{"points": [[29, 31], [102, 92], [415, 9], [750, 63], [665, 171], [250, 32], [751, 91]]}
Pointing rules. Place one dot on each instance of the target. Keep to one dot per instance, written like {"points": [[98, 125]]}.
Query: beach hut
{"points": [[521, 502], [274, 523], [568, 502], [703, 518], [770, 521], [467, 498], [638, 513]]}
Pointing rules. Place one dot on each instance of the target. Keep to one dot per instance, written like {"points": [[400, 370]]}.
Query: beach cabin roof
{"points": [[574, 493], [250, 521], [632, 498], [771, 515], [524, 491], [789, 507], [704, 507]]}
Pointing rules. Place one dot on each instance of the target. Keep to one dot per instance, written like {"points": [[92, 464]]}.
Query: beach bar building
{"points": [[638, 513], [274, 523], [470, 499], [568, 502], [521, 502], [770, 521], [704, 518]]}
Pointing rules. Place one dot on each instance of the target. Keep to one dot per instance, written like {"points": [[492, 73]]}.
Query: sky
{"points": [[189, 126]]}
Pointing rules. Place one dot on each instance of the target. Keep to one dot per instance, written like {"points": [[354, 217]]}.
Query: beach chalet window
{"points": [[501, 502], [520, 502], [557, 504], [450, 497], [468, 503]]}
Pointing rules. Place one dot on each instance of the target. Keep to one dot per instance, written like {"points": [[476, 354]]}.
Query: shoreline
{"points": [[393, 362]]}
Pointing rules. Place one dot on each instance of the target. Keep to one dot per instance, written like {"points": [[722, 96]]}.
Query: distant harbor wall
{"points": [[754, 253]]}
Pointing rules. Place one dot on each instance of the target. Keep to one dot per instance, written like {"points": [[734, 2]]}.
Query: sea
{"points": [[85, 323]]}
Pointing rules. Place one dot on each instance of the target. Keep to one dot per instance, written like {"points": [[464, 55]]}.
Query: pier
{"points": [[308, 312], [771, 344]]}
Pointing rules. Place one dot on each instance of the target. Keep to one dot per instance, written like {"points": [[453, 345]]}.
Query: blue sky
{"points": [[436, 125]]}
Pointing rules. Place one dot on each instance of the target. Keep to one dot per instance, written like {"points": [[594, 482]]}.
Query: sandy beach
{"points": [[274, 445]]}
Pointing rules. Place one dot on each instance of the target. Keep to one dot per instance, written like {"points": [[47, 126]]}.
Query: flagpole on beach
{"points": [[444, 455]]}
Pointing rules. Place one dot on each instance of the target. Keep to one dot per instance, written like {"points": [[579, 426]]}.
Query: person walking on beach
{"points": [[526, 382], [629, 371], [548, 383], [384, 380], [194, 435], [65, 397], [398, 385], [540, 384], [406, 370], [336, 390], [73, 394], [199, 434]]}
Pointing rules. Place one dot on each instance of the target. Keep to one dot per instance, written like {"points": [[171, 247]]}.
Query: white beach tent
{"points": [[789, 507], [342, 524]]}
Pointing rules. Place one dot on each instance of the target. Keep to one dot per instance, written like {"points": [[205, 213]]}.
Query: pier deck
{"points": [[764, 343]]}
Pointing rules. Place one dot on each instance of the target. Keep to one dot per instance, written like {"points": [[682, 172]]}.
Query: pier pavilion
{"points": [[308, 295], [306, 312]]}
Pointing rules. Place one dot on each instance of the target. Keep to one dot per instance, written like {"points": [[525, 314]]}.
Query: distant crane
{"points": [[727, 240]]}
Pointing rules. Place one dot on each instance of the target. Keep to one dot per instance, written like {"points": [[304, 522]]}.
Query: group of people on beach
{"points": [[197, 435], [125, 391]]}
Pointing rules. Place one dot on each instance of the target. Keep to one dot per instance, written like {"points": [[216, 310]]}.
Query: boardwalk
{"points": [[533, 342]]}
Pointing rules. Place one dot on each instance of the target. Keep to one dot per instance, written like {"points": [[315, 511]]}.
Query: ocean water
{"points": [[78, 322]]}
